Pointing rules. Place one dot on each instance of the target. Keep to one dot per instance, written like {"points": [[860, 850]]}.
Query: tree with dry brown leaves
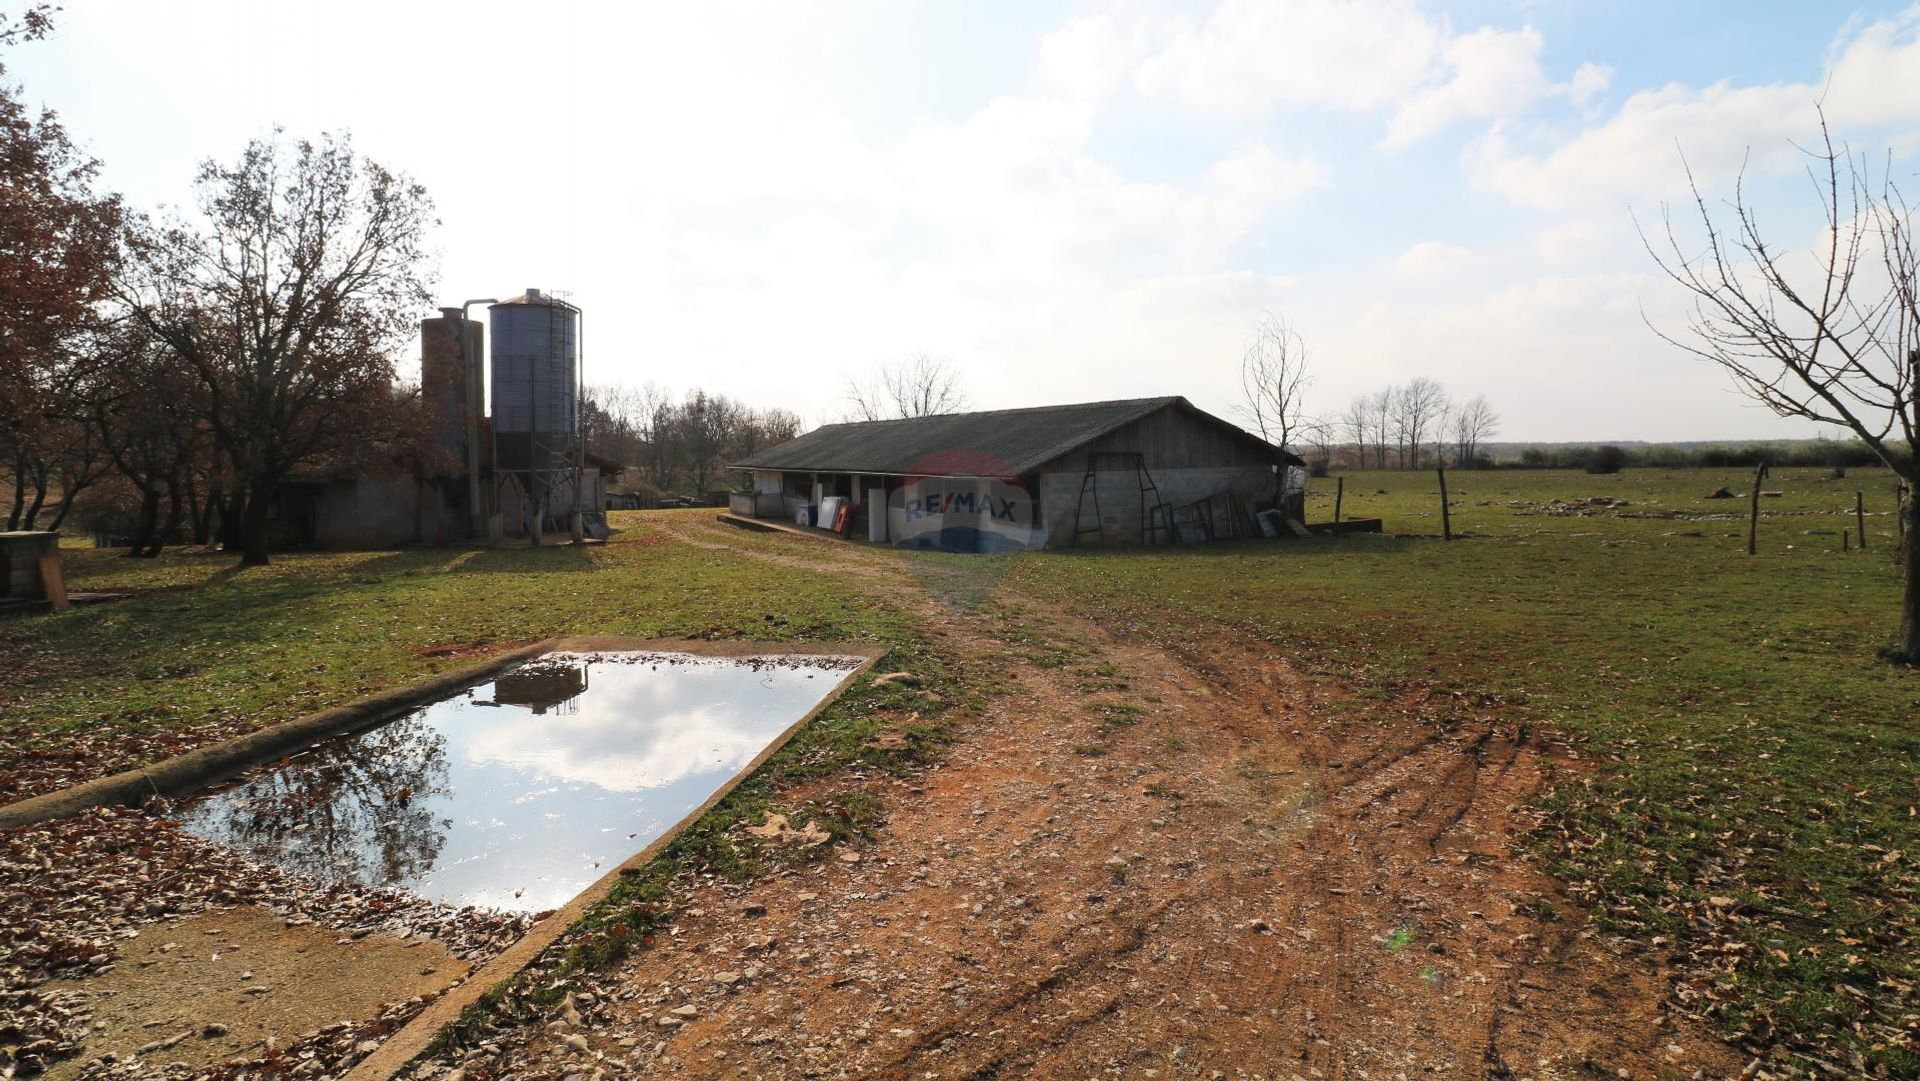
{"points": [[59, 251]]}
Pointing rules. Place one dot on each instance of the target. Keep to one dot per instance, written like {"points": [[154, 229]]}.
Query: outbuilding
{"points": [[1133, 472]]}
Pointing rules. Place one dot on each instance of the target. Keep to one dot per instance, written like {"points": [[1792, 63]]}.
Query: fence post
{"points": [[1339, 494], [1860, 517], [1753, 511], [1446, 519]]}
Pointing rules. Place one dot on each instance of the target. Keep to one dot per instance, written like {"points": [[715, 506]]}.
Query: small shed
{"points": [[1137, 471]]}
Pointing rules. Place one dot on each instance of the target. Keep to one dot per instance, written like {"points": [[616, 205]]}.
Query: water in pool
{"points": [[519, 792]]}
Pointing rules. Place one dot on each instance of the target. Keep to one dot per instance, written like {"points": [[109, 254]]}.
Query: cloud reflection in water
{"points": [[519, 793]]}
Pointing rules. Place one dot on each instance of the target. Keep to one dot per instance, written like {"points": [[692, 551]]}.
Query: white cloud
{"points": [[1363, 55], [1430, 257], [1492, 72], [1089, 57], [1589, 81], [1250, 55], [1636, 153], [1578, 240], [1872, 79], [1874, 74], [1562, 357]]}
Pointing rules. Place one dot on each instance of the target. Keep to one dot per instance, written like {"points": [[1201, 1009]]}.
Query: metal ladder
{"points": [[1155, 519]]}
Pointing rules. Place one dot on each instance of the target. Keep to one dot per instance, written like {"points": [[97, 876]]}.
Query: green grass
{"points": [[207, 639], [1747, 744]]}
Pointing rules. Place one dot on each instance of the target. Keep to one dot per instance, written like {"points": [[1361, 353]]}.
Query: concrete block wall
{"points": [[20, 553], [379, 513]]}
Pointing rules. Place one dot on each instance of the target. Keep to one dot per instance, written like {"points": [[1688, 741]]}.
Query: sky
{"points": [[1068, 201]]}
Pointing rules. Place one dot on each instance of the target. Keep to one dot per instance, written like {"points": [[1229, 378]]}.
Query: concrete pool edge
{"points": [[397, 1051], [202, 766]]}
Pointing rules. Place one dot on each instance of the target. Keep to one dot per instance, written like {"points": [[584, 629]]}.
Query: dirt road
{"points": [[1148, 858]]}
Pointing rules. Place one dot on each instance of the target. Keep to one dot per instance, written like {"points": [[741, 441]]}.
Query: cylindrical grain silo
{"points": [[451, 384], [535, 366]]}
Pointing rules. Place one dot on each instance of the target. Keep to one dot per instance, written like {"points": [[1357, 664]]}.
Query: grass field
{"points": [[1748, 801]]}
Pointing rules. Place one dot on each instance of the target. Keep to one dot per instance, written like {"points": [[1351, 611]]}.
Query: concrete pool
{"points": [[522, 790]]}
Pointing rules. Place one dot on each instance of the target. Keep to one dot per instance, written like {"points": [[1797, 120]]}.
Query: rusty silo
{"points": [[452, 380]]}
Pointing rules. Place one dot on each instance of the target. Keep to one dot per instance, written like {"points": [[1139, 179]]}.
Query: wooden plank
{"points": [[52, 584]]}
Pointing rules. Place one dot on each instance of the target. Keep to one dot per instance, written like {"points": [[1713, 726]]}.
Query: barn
{"points": [[1136, 472]]}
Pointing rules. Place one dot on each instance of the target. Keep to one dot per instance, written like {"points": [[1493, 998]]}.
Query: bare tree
{"points": [[287, 299], [1273, 382], [766, 427], [1357, 423], [1381, 406], [1473, 422], [1320, 436], [921, 385], [1830, 335], [1417, 409]]}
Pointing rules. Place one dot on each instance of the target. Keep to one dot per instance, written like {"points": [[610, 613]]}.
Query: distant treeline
{"points": [[677, 445], [1609, 458]]}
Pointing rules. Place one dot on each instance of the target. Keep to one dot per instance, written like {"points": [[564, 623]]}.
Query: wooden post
{"points": [[1860, 517], [1446, 518], [1753, 511], [1846, 538], [52, 583], [1339, 494]]}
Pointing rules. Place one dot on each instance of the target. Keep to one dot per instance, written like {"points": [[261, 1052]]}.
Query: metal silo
{"points": [[535, 368], [536, 409]]}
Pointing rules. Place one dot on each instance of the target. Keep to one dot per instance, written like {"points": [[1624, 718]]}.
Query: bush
{"points": [[1606, 458]]}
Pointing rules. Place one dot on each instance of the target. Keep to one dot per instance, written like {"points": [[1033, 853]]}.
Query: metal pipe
{"points": [[579, 420], [475, 512]]}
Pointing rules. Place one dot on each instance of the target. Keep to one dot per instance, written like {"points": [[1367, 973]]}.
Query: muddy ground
{"points": [[1156, 854], [129, 948], [219, 985]]}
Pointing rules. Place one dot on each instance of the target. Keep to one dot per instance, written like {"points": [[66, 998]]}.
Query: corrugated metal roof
{"points": [[1000, 442]]}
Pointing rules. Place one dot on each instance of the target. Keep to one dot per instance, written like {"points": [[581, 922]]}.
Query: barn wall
{"points": [[970, 514], [1189, 460], [379, 513], [1120, 497]]}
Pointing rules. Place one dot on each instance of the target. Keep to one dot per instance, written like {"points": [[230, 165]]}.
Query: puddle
{"points": [[519, 792]]}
